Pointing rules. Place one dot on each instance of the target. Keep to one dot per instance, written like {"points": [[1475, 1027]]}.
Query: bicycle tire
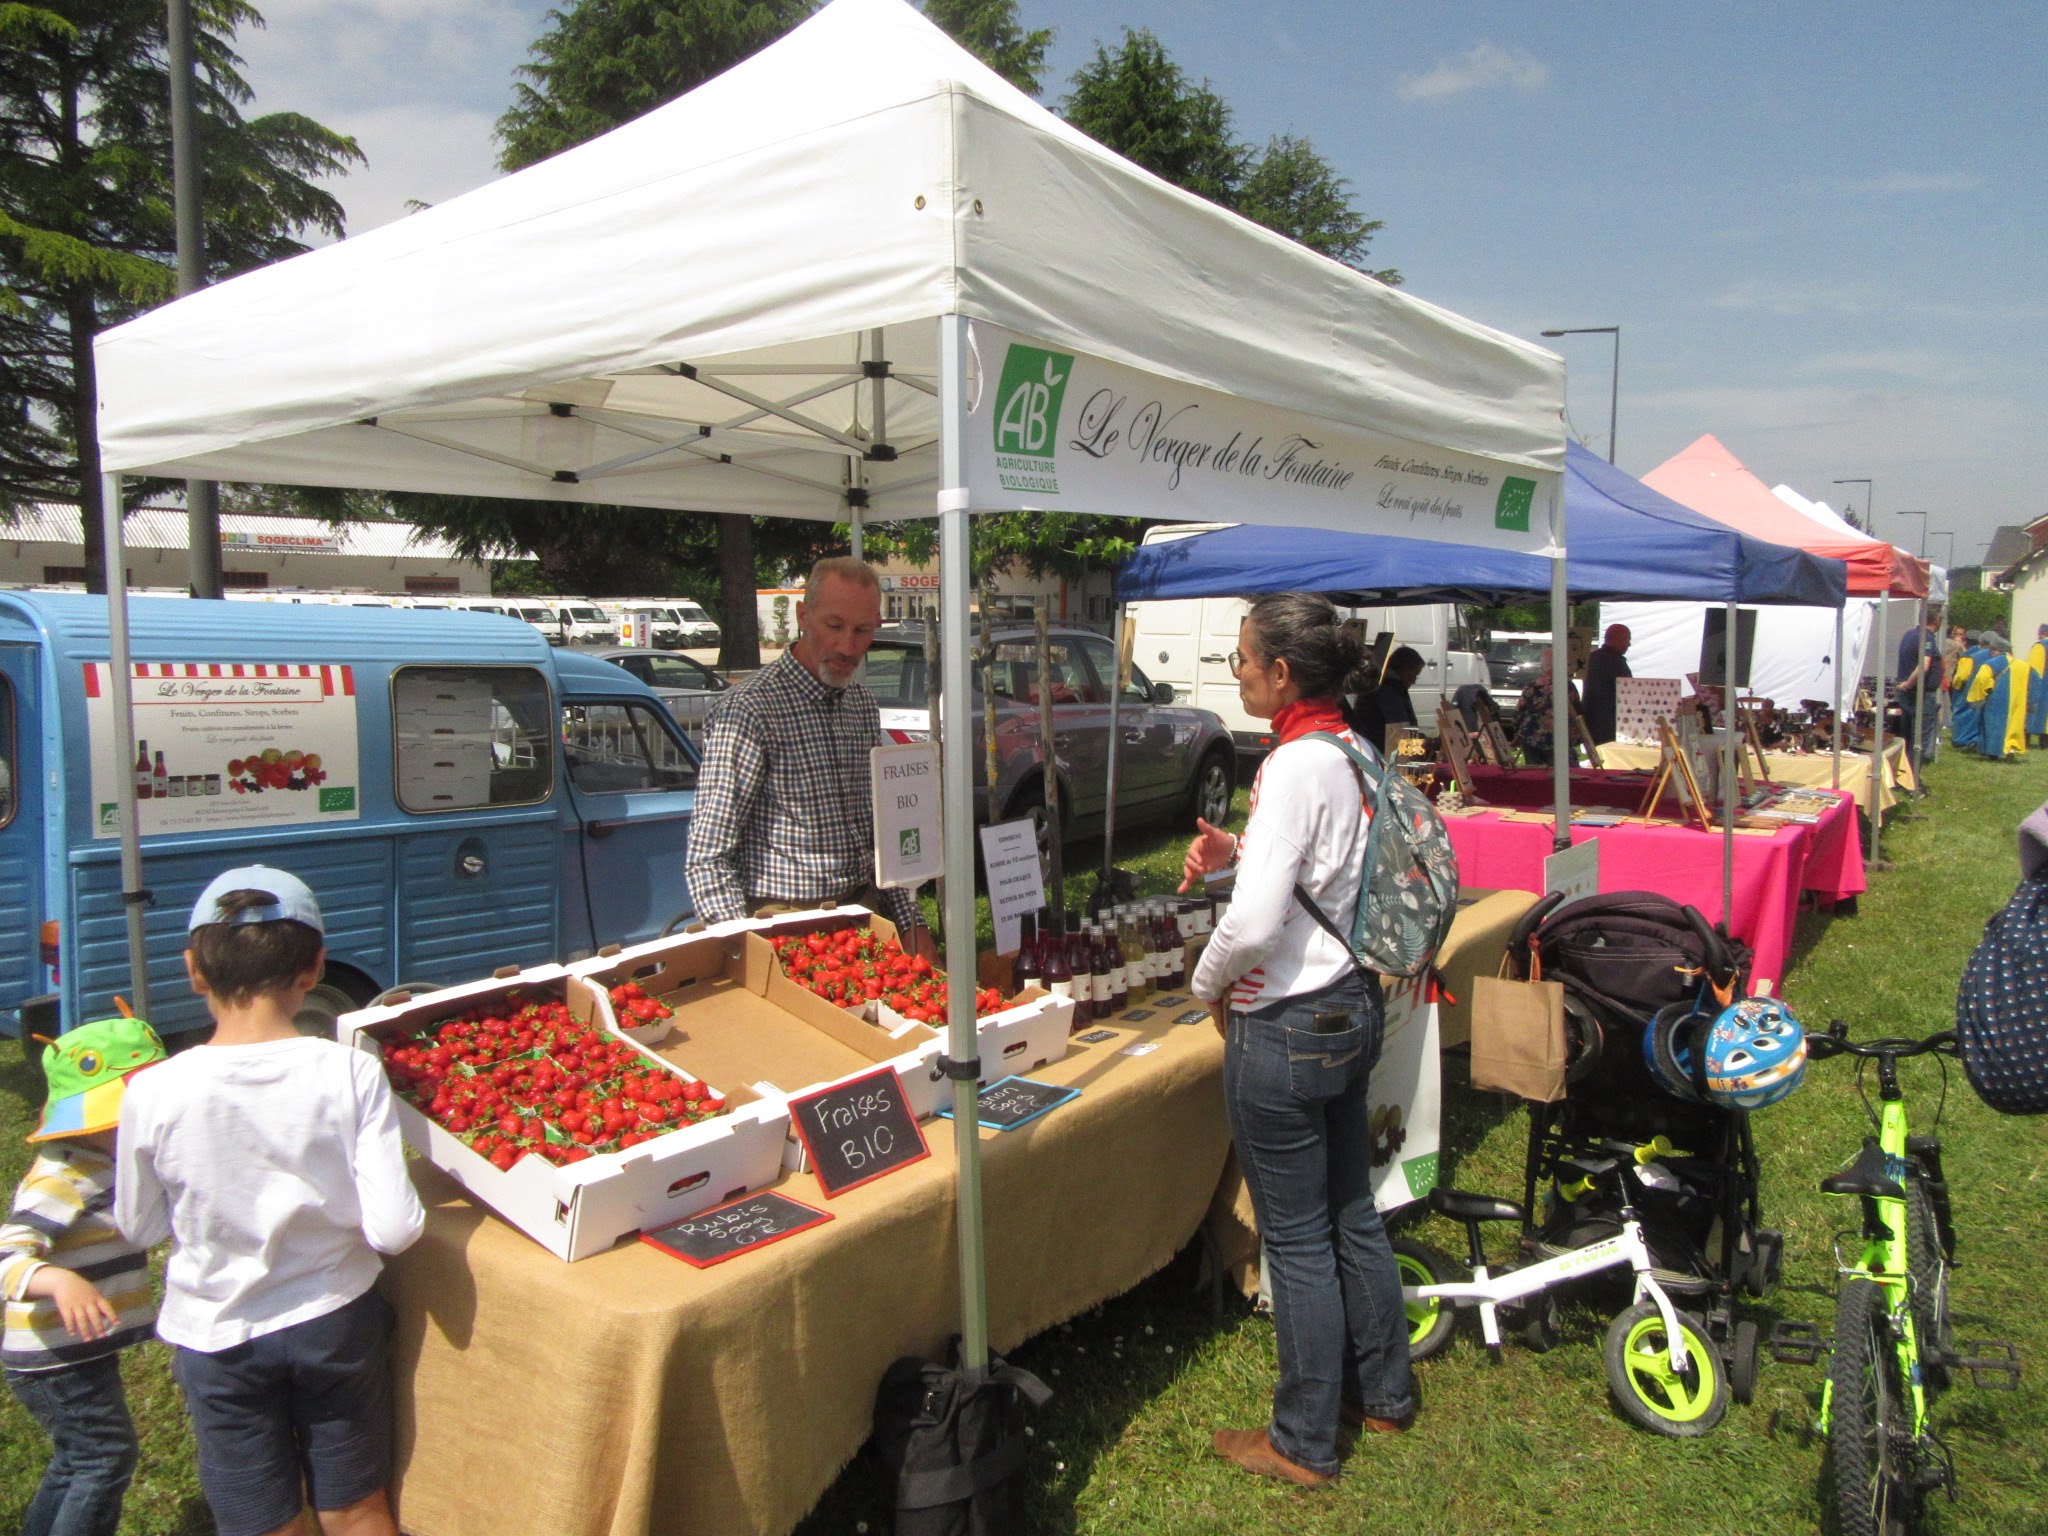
{"points": [[1649, 1393], [1927, 1294], [1429, 1322], [1869, 1431]]}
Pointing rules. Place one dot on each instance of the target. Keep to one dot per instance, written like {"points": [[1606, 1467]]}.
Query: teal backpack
{"points": [[1409, 893]]}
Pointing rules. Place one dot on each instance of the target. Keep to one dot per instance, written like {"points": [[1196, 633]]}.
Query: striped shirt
{"points": [[63, 1216], [785, 803]]}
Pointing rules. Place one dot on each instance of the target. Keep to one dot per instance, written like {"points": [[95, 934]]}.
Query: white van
{"points": [[1187, 642], [676, 622], [581, 621]]}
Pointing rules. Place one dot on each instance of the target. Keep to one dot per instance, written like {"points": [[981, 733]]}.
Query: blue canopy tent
{"points": [[1624, 540]]}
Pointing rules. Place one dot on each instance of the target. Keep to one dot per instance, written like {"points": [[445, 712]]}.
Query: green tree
{"points": [[87, 236], [1141, 104], [601, 63], [989, 30]]}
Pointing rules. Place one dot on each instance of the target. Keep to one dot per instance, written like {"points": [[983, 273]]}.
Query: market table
{"points": [[1506, 850], [632, 1393], [1536, 788], [1806, 770]]}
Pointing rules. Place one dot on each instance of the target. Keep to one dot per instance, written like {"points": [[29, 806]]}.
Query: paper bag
{"points": [[1518, 1037]]}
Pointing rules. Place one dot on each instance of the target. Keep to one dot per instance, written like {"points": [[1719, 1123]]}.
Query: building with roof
{"points": [[2020, 564], [41, 546]]}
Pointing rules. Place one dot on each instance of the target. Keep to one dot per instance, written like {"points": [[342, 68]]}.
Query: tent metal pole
{"points": [[1560, 695], [1116, 696], [133, 897], [956, 777], [1840, 627], [1880, 621], [1729, 650], [1915, 746], [856, 527]]}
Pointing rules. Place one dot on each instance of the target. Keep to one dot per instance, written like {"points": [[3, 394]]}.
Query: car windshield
{"points": [[1515, 652], [587, 615]]}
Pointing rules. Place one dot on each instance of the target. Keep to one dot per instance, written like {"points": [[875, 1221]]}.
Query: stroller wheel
{"points": [[1585, 1041], [1542, 1331], [1744, 1343], [1766, 1260]]}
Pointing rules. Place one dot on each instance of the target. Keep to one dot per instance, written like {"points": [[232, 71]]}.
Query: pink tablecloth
{"points": [[1533, 788], [1685, 864]]}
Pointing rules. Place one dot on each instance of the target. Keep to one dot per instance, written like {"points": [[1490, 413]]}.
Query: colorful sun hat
{"points": [[87, 1070], [290, 897]]}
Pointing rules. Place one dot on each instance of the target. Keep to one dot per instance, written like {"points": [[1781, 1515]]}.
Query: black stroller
{"points": [[1623, 957]]}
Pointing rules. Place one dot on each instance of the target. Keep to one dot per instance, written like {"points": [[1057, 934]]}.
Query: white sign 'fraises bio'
{"points": [[908, 830], [227, 744], [1016, 883]]}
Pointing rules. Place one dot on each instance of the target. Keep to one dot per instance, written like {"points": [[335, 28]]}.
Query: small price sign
{"points": [[1010, 1103], [858, 1130], [731, 1230]]}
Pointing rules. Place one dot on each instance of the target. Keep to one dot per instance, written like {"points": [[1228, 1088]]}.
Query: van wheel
{"points": [[1214, 785], [323, 1006]]}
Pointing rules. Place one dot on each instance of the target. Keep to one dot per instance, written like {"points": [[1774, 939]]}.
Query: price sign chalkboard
{"points": [[731, 1230], [858, 1130], [1007, 1104]]}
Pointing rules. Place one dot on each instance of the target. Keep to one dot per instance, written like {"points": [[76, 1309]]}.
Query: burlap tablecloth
{"points": [[630, 1392]]}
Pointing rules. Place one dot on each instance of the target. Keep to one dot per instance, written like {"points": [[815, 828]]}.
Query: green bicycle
{"points": [[1892, 1347]]}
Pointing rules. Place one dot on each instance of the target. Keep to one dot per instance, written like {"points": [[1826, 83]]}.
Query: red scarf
{"points": [[1293, 721]]}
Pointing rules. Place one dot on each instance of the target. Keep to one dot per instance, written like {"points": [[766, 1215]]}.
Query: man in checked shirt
{"points": [[785, 808]]}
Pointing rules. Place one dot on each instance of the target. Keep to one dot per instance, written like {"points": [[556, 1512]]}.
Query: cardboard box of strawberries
{"points": [[527, 1090]]}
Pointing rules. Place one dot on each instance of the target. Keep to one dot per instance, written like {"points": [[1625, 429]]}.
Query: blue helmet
{"points": [[1755, 1054], [1670, 1041]]}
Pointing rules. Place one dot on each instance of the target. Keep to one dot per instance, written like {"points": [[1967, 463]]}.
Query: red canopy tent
{"points": [[1711, 480]]}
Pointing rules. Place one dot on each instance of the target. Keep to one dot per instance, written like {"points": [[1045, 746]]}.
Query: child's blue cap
{"points": [[290, 897]]}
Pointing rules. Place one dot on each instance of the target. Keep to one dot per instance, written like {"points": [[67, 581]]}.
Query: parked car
{"points": [[1512, 662], [684, 684], [1176, 762], [676, 623]]}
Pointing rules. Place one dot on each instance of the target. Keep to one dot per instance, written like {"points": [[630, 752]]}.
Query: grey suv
{"points": [[1176, 762]]}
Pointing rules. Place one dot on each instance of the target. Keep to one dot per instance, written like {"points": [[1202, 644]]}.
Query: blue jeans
{"points": [[84, 1411], [1296, 1101]]}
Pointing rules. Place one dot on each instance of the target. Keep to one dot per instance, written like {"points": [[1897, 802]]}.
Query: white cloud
{"points": [[1486, 67], [425, 154], [1907, 182], [1922, 365], [1773, 296]]}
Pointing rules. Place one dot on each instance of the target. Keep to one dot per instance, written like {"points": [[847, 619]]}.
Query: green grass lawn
{"points": [[1530, 1444]]}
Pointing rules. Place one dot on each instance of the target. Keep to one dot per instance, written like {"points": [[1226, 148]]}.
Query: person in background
{"points": [[272, 1161], [1951, 652], [1966, 716], [1302, 1024], [1536, 716], [1387, 704], [64, 1333], [2001, 732], [1918, 663], [785, 815], [2037, 689], [1604, 668]]}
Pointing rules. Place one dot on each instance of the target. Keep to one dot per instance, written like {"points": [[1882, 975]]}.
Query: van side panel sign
{"points": [[227, 744]]}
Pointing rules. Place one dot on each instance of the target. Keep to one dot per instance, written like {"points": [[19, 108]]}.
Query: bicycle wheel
{"points": [[1869, 1430], [1927, 1270], [1648, 1391], [1429, 1322]]}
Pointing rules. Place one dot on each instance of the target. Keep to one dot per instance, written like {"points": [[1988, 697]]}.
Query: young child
{"points": [[64, 1333], [273, 1162]]}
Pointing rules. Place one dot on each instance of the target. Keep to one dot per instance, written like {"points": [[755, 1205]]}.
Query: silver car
{"points": [[1176, 762], [686, 685]]}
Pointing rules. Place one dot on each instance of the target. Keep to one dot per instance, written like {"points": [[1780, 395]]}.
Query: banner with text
{"points": [[1062, 431]]}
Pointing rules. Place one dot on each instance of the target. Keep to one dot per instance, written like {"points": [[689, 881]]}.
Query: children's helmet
{"points": [[1755, 1054], [1671, 1040]]}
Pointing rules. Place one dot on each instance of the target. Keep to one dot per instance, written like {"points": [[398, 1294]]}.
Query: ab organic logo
{"points": [[1027, 417], [1511, 511]]}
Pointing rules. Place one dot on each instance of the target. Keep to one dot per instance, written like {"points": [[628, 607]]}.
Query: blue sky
{"points": [[1820, 228]]}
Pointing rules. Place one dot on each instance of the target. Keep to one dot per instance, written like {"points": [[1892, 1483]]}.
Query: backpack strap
{"points": [[1370, 775]]}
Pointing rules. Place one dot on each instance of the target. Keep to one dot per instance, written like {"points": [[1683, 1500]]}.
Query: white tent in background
{"points": [[858, 275]]}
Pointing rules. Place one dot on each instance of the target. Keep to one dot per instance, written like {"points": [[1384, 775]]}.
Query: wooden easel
{"points": [[1583, 737], [1671, 759], [1458, 748]]}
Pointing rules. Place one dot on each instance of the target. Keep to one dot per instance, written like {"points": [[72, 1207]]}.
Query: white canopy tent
{"points": [[859, 274]]}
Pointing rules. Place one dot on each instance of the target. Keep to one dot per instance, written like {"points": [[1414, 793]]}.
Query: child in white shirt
{"points": [[274, 1163]]}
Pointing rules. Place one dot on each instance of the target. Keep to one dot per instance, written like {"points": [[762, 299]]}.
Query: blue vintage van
{"points": [[461, 795]]}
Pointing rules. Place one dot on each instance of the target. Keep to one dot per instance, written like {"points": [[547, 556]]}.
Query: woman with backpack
{"points": [[1302, 1024]]}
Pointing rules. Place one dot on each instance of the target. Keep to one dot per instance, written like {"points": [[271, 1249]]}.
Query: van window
{"points": [[587, 615], [9, 751], [470, 737], [616, 749]]}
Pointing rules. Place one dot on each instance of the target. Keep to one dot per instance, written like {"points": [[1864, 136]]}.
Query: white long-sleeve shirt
{"points": [[279, 1173], [1308, 824]]}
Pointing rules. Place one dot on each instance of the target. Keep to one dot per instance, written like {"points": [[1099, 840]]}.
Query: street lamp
{"points": [[1923, 528], [1950, 535], [1614, 391], [1869, 504]]}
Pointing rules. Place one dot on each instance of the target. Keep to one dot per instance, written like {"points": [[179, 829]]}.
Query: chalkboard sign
{"points": [[858, 1130], [728, 1231], [1007, 1104]]}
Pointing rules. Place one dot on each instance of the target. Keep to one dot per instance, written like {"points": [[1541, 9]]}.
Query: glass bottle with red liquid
{"points": [[1025, 971], [1081, 961], [1052, 957], [1173, 948]]}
